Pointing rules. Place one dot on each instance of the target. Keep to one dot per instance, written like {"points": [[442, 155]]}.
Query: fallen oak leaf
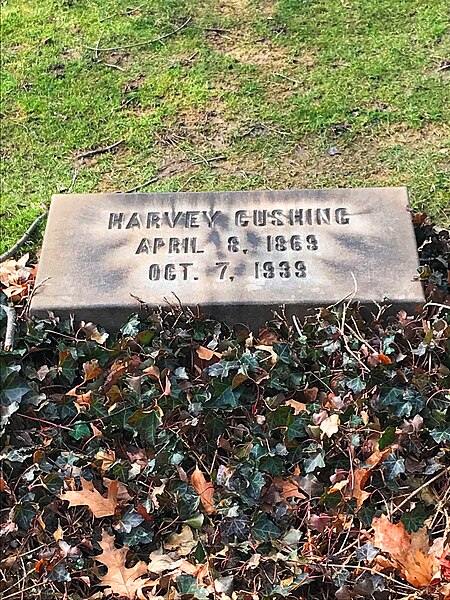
{"points": [[330, 425], [207, 354], [89, 496], [410, 553], [297, 406], [91, 370], [287, 489], [204, 489], [160, 562], [120, 579], [361, 476], [182, 543]]}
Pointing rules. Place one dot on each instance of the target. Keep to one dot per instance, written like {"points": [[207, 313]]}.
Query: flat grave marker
{"points": [[237, 255]]}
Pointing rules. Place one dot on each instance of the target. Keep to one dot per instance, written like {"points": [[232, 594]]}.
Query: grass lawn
{"points": [[294, 93]]}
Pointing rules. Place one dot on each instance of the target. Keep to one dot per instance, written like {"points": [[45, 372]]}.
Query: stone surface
{"points": [[238, 255]]}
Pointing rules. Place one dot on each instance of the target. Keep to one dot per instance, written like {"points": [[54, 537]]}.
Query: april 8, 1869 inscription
{"points": [[238, 255]]}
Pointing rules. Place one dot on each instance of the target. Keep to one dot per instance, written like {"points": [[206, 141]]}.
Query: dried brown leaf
{"points": [[361, 476], [89, 496], [182, 543], [297, 406], [410, 553], [120, 579], [204, 489], [91, 370], [207, 354]]}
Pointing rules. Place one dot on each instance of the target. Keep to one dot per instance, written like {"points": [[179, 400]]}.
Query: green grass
{"points": [[269, 86]]}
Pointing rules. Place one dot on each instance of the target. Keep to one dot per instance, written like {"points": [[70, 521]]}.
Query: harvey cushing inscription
{"points": [[238, 255]]}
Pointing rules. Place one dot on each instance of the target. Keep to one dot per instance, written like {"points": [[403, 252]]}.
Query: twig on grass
{"points": [[112, 66], [95, 151], [140, 186], [443, 67], [26, 236], [10, 333], [74, 179], [287, 78], [145, 42]]}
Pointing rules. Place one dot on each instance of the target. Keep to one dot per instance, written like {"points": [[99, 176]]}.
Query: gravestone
{"points": [[237, 255]]}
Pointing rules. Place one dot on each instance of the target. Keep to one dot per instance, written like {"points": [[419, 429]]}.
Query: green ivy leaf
{"points": [[296, 429], [79, 431], [440, 435], [387, 438], [404, 402], [145, 422], [415, 519], [263, 528], [315, 461], [356, 385], [187, 584]]}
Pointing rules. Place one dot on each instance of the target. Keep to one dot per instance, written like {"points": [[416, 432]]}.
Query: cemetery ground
{"points": [[239, 95], [180, 458]]}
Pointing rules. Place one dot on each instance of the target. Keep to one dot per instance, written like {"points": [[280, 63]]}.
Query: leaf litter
{"points": [[181, 459]]}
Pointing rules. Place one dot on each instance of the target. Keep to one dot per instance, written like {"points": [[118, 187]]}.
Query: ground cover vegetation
{"points": [[183, 459], [244, 95]]}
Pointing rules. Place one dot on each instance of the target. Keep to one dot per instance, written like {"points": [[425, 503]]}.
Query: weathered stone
{"points": [[238, 255]]}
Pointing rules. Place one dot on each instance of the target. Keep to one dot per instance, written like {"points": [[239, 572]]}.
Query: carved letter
{"points": [[115, 220], [296, 216], [275, 217], [143, 246], [173, 220], [342, 216], [153, 220], [211, 217], [174, 245], [192, 218], [157, 244], [135, 221], [260, 217], [241, 219], [323, 216]]}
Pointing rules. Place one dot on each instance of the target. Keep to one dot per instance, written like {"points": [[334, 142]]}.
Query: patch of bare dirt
{"points": [[245, 48], [429, 135], [310, 164], [205, 130], [244, 8], [71, 54]]}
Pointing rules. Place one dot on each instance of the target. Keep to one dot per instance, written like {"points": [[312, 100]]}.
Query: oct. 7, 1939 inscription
{"points": [[238, 255]]}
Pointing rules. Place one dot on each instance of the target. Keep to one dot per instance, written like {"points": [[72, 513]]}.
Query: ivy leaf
{"points": [[14, 389], [403, 401], [263, 528], [145, 422], [315, 461], [440, 435], [5, 413], [356, 385], [187, 584], [296, 429], [387, 438], [393, 467], [79, 431], [131, 327], [284, 352], [415, 519]]}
